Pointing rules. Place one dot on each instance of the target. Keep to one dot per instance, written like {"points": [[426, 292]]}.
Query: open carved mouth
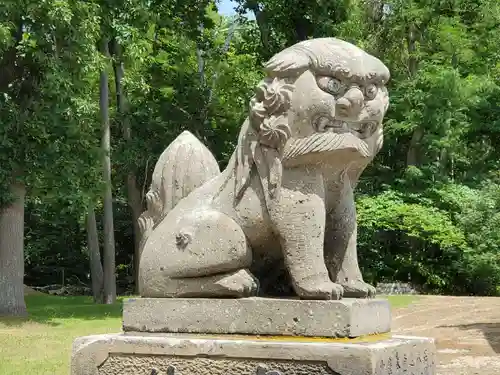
{"points": [[362, 129]]}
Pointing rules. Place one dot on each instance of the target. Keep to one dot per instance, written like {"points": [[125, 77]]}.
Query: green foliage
{"points": [[477, 213], [429, 211], [48, 117], [282, 23], [402, 240], [448, 242]]}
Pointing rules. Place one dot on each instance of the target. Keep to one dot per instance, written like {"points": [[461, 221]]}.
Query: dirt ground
{"points": [[466, 329]]}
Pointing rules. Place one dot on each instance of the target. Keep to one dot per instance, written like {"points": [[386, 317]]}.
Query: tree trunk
{"points": [[414, 150], [12, 254], [443, 161], [135, 202], [96, 272], [262, 23], [301, 25], [418, 132], [211, 89], [201, 60], [414, 147], [301, 30], [109, 237], [134, 195], [412, 48]]}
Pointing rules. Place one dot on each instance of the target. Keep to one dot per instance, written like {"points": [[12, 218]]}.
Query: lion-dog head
{"points": [[322, 102]]}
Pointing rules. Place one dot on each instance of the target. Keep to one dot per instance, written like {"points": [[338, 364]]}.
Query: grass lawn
{"points": [[400, 300], [41, 344]]}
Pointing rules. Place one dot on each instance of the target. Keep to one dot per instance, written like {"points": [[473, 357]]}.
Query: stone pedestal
{"points": [[258, 316], [185, 354], [254, 336]]}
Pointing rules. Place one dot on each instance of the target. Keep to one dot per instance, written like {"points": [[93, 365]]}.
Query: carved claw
{"points": [[154, 204], [326, 290], [145, 222], [241, 284], [358, 289]]}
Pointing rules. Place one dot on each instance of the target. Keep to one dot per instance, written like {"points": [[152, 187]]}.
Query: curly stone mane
{"points": [[263, 136]]}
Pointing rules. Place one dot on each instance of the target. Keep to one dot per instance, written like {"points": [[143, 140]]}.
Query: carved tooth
{"points": [[369, 127], [356, 126], [337, 124]]}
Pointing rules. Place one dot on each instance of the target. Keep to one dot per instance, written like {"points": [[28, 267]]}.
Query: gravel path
{"points": [[466, 329]]}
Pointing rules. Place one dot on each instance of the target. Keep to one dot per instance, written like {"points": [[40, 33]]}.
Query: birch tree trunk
{"points": [[109, 237], [262, 23], [96, 272], [12, 254], [412, 156], [134, 196]]}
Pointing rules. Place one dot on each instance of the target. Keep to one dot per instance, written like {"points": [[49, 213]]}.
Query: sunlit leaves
{"points": [[48, 117]]}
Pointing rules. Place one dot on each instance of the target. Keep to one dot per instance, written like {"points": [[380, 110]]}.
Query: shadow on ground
{"points": [[46, 309], [491, 332]]}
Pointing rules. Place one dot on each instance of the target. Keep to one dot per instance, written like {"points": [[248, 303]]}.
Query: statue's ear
{"points": [[247, 141], [273, 135], [265, 150], [263, 138], [270, 170]]}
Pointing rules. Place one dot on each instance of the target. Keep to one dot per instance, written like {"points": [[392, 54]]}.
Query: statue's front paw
{"points": [[358, 289], [320, 290]]}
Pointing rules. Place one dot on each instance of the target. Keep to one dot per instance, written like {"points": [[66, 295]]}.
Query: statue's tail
{"points": [[184, 165]]}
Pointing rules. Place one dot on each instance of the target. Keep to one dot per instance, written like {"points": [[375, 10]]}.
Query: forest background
{"points": [[93, 91]]}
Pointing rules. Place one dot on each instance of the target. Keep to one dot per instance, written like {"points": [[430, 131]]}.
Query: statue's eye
{"points": [[330, 85], [371, 91], [334, 86]]}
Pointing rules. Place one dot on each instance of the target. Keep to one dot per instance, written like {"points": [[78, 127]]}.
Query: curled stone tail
{"points": [[185, 165]]}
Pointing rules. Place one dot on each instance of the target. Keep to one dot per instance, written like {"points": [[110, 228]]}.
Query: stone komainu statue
{"points": [[285, 200]]}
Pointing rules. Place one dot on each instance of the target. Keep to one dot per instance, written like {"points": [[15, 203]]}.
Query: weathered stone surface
{"points": [[258, 316], [286, 197], [162, 354]]}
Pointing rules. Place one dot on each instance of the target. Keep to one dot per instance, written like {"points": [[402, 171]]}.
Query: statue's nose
{"points": [[351, 103]]}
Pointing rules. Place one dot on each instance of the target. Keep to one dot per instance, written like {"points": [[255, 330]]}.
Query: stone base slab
{"points": [[185, 354], [258, 316]]}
